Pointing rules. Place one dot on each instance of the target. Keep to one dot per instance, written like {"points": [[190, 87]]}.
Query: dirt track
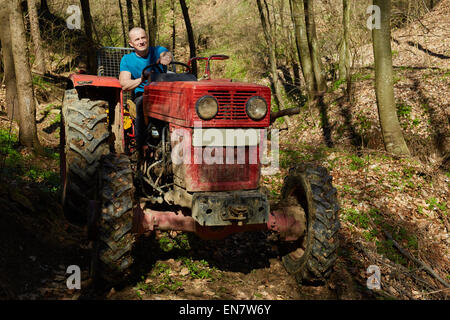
{"points": [[243, 266]]}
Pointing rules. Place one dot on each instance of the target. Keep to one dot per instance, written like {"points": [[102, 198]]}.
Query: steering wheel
{"points": [[182, 64], [146, 74]]}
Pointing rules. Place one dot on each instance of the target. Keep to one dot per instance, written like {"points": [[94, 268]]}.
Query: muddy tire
{"points": [[112, 259], [84, 139], [313, 260]]}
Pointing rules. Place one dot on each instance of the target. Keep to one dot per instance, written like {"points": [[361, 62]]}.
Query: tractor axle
{"points": [[285, 221]]}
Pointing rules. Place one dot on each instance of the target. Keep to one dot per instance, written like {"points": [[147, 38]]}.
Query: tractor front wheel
{"points": [[314, 254]]}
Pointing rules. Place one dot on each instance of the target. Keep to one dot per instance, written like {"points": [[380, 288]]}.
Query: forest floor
{"points": [[379, 194]]}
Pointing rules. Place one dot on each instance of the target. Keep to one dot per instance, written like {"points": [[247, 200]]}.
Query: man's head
{"points": [[138, 40]]}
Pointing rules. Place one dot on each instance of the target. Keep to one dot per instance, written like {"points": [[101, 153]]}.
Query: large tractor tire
{"points": [[112, 258], [84, 139], [310, 187]]}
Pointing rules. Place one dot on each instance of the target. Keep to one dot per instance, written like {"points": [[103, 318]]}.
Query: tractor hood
{"points": [[175, 102]]}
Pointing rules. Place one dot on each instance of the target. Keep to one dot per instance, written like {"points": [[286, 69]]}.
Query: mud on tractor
{"points": [[187, 176]]}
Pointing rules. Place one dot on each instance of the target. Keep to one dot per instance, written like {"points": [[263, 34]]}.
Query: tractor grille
{"points": [[108, 59], [231, 104], [216, 173]]}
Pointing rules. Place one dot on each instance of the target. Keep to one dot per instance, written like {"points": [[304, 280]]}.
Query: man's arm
{"points": [[126, 82], [125, 76]]}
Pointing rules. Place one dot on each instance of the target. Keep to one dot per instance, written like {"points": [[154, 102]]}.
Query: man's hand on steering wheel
{"points": [[165, 58]]}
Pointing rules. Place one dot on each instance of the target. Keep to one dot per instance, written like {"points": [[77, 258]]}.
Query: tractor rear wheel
{"points": [[310, 187], [112, 259], [84, 139]]}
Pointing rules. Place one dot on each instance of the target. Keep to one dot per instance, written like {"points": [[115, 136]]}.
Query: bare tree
{"points": [[27, 107], [141, 14], [12, 104], [269, 36], [130, 14], [44, 6], [174, 25], [90, 47], [124, 34], [316, 59], [190, 33], [344, 49], [152, 21], [36, 36], [301, 39], [390, 126]]}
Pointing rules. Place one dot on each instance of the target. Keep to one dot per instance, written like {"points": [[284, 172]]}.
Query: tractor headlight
{"points": [[207, 107], [256, 108]]}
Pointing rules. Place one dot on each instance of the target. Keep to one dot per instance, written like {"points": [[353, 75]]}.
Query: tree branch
{"points": [[411, 257]]}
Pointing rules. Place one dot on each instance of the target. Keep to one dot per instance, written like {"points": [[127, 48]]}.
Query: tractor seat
{"points": [[172, 77]]}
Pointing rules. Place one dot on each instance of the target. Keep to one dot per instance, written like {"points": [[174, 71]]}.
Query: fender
{"points": [[95, 81]]}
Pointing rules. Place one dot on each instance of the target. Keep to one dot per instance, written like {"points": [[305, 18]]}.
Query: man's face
{"points": [[139, 41]]}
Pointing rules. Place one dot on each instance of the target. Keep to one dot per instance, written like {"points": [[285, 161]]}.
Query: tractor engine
{"points": [[156, 167]]}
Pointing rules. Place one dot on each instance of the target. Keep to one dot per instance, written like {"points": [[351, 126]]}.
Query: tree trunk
{"points": [[141, 14], [12, 103], [27, 108], [37, 40], [301, 39], [268, 36], [124, 34], [44, 6], [90, 49], [390, 126], [319, 75], [174, 25], [190, 34], [130, 15], [152, 21], [344, 52]]}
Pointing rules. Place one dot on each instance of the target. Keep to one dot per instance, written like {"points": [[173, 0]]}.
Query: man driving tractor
{"points": [[131, 67]]}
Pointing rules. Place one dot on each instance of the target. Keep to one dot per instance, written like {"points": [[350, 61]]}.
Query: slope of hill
{"points": [[382, 194]]}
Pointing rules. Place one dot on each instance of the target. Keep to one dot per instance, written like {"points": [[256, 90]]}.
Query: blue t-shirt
{"points": [[134, 64]]}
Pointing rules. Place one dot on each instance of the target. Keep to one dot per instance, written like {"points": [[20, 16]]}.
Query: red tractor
{"points": [[198, 171]]}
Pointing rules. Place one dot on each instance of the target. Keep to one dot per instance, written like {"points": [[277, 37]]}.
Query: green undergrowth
{"points": [[291, 155], [23, 168], [199, 269], [373, 225], [165, 281], [166, 277], [179, 242]]}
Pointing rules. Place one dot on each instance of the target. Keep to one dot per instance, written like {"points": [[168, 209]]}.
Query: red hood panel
{"points": [[89, 80]]}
